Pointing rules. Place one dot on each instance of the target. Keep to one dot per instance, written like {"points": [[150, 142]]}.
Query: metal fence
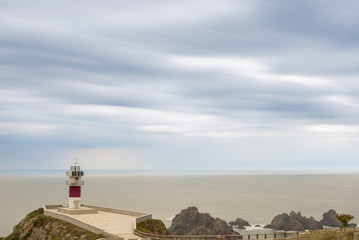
{"points": [[217, 237]]}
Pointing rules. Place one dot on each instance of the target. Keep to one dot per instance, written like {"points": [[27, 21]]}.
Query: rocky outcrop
{"points": [[190, 222], [153, 226], [286, 223], [307, 223], [239, 223], [329, 219], [294, 222], [36, 226]]}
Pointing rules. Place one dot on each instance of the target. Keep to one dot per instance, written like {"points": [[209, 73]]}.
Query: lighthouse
{"points": [[75, 184]]}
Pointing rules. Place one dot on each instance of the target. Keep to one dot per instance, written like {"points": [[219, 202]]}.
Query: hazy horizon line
{"points": [[195, 171]]}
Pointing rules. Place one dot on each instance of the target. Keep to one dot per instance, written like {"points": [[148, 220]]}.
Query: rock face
{"points": [[36, 226], [308, 223], [294, 222], [190, 222], [240, 223], [286, 223], [329, 219]]}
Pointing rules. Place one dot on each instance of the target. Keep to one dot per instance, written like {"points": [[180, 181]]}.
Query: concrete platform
{"points": [[113, 223], [116, 224], [72, 211]]}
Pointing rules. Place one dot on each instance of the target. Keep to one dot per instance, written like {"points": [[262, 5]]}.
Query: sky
{"points": [[251, 85]]}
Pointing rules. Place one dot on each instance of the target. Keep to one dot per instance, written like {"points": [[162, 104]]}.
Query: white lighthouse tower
{"points": [[75, 184]]}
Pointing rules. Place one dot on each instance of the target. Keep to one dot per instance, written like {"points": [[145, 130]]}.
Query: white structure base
{"points": [[111, 222], [75, 202], [73, 211]]}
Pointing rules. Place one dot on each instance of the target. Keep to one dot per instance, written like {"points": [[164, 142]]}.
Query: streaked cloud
{"points": [[250, 85]]}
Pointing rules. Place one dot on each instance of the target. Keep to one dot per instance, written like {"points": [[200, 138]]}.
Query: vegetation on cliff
{"points": [[328, 234], [37, 226], [153, 226]]}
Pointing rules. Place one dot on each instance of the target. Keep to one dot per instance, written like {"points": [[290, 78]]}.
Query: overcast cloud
{"points": [[180, 85]]}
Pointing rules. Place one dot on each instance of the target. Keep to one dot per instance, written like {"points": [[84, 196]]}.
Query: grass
{"points": [[328, 234], [35, 213]]}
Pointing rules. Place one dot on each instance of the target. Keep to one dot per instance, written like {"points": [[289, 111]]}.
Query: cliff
{"points": [[37, 226], [191, 222]]}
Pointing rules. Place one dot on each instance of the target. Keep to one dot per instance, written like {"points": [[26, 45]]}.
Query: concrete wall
{"points": [[72, 220]]}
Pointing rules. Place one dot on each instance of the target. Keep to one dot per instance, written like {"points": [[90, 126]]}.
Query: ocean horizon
{"points": [[254, 196]]}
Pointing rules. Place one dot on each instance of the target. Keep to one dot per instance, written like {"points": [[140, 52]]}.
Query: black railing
{"points": [[216, 237]]}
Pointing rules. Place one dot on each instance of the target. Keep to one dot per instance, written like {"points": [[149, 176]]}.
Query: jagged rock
{"points": [[239, 223], [329, 219], [190, 222], [56, 231], [307, 223], [36, 226], [83, 237], [294, 222], [286, 223], [37, 234]]}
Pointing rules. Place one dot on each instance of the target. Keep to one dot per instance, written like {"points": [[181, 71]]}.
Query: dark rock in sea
{"points": [[294, 222], [351, 225], [239, 223], [190, 222], [285, 222], [268, 226], [329, 219], [308, 223], [257, 225]]}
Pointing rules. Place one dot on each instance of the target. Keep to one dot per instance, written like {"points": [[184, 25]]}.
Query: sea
{"points": [[255, 197]]}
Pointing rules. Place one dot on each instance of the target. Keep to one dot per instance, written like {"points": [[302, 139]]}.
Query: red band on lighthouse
{"points": [[75, 191]]}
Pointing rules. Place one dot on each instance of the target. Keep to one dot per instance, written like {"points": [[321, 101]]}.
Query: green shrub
{"points": [[35, 213], [153, 226]]}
